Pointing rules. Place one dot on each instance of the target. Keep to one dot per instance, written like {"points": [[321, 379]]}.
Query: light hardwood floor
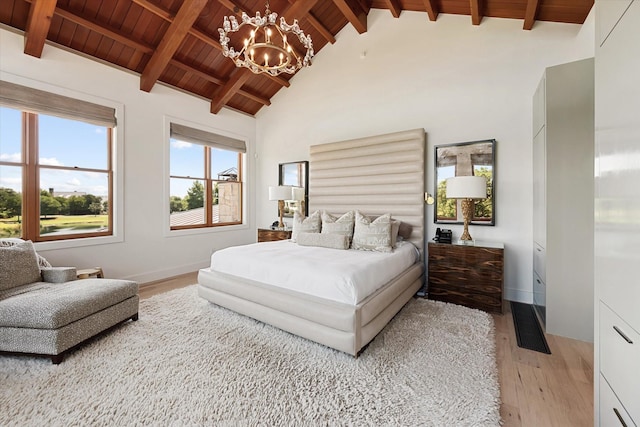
{"points": [[537, 389]]}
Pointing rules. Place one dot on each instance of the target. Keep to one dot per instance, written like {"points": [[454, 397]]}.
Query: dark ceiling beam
{"points": [[476, 11], [233, 7], [38, 24], [299, 9], [530, 14], [112, 34], [238, 77], [315, 22], [171, 41], [216, 80], [324, 31], [203, 37], [394, 7], [357, 18], [432, 9]]}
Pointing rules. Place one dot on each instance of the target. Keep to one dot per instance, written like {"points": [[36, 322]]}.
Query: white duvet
{"points": [[347, 276]]}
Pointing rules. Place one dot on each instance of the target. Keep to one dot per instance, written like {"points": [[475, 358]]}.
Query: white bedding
{"points": [[347, 276]]}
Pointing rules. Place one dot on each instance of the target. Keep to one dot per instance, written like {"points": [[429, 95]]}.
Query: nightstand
{"points": [[268, 235], [467, 275]]}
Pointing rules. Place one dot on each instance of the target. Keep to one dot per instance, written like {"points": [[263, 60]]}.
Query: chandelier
{"points": [[266, 49]]}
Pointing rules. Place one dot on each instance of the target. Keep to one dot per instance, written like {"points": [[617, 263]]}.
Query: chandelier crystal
{"points": [[266, 49]]}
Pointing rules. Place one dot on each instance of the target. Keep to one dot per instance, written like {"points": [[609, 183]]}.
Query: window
{"points": [[205, 179], [56, 174]]}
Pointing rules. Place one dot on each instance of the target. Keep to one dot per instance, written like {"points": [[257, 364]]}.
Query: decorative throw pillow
{"points": [[311, 224], [12, 241], [333, 241], [372, 235], [342, 225], [19, 265]]}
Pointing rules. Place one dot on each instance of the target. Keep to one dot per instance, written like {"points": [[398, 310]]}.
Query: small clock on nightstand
{"points": [[268, 235]]}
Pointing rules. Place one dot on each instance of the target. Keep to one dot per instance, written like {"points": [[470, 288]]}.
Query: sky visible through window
{"points": [[62, 142], [187, 159]]}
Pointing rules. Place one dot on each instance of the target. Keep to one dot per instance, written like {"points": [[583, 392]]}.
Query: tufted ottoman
{"points": [[51, 318]]}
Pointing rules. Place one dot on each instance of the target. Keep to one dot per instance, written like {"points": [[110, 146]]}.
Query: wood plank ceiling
{"points": [[176, 41]]}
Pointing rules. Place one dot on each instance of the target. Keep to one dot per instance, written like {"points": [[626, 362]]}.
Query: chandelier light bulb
{"points": [[266, 60]]}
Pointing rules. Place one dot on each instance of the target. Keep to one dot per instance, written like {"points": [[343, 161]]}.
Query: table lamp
{"points": [[280, 193], [468, 189]]}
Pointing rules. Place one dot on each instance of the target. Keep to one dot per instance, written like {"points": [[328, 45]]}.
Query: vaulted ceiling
{"points": [[177, 42]]}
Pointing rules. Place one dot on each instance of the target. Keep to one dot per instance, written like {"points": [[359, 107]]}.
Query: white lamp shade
{"points": [[281, 192], [467, 187], [297, 193]]}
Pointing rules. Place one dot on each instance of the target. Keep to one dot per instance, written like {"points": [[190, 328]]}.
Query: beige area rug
{"points": [[188, 362]]}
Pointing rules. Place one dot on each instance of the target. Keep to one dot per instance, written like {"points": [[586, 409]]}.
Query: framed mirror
{"points": [[465, 159], [295, 174]]}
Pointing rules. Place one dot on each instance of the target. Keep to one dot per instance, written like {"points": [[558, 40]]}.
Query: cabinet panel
{"points": [[539, 189], [540, 298], [617, 153], [612, 413], [620, 358], [539, 261], [539, 109]]}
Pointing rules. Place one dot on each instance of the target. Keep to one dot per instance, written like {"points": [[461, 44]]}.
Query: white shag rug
{"points": [[188, 362]]}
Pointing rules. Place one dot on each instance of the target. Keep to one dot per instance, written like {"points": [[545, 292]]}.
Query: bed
{"points": [[375, 175]]}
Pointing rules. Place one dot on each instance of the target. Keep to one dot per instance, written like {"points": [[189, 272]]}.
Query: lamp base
{"points": [[468, 206]]}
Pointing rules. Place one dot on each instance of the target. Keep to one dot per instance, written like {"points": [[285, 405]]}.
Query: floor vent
{"points": [[528, 331]]}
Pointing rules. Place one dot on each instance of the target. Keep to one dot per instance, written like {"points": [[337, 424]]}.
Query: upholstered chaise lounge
{"points": [[45, 311]]}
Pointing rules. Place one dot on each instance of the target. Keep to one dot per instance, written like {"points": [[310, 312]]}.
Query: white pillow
{"points": [[311, 224], [332, 241], [19, 265], [342, 225], [372, 236]]}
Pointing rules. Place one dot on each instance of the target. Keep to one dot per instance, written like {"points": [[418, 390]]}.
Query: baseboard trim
{"points": [[157, 275]]}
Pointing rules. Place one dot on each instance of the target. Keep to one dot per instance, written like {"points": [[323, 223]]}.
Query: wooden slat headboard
{"points": [[374, 175]]}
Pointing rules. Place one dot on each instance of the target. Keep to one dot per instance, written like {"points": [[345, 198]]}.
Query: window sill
{"points": [[205, 230], [77, 243]]}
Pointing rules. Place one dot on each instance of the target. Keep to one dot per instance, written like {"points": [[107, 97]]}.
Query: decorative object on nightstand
{"points": [[280, 193], [267, 235], [298, 194], [90, 272], [467, 275], [467, 188]]}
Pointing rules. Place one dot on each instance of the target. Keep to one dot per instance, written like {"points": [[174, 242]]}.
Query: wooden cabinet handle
{"points": [[622, 334], [619, 417]]}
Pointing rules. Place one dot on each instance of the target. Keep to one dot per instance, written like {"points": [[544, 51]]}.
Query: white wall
{"points": [[457, 81], [146, 252]]}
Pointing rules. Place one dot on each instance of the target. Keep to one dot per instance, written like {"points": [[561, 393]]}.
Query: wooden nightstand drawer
{"points": [[467, 275], [267, 235]]}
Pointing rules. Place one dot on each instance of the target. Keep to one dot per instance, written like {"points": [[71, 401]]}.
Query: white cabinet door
{"points": [[539, 107], [617, 183], [539, 189]]}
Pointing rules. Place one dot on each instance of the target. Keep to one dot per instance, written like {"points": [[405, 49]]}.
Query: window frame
{"points": [[116, 155], [209, 182], [31, 168]]}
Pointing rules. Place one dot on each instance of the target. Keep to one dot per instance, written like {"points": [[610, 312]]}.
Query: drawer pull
{"points": [[538, 280], [538, 249], [619, 417], [626, 338]]}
